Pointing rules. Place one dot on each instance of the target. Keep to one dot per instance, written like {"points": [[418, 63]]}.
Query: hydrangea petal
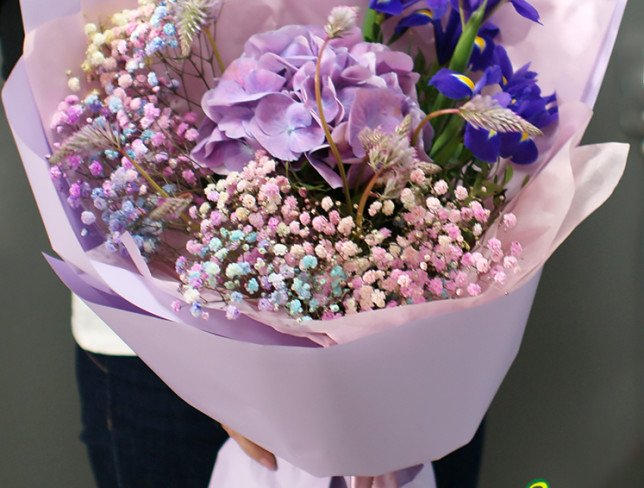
{"points": [[373, 108], [285, 128]]}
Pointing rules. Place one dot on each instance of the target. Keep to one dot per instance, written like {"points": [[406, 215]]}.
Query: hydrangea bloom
{"points": [[266, 99]]}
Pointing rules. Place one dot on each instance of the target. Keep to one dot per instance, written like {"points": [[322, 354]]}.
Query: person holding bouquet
{"points": [[137, 431]]}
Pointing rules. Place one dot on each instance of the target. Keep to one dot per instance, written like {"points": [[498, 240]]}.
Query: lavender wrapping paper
{"points": [[235, 469], [283, 394]]}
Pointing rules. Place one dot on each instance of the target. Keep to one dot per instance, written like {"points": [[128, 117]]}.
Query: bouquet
{"points": [[224, 188]]}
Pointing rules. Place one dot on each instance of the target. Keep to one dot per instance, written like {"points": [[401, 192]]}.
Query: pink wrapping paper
{"points": [[425, 374], [235, 469], [425, 386], [540, 215]]}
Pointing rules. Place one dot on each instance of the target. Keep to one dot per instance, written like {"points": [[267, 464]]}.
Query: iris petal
{"points": [[452, 85], [519, 148], [526, 10], [484, 144], [415, 19], [390, 7]]}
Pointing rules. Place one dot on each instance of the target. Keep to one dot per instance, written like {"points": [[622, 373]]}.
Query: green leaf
{"points": [[526, 180], [507, 177], [463, 52], [371, 26], [441, 148], [464, 48]]}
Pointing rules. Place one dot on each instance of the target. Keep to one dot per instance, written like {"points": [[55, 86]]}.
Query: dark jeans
{"points": [[461, 468], [139, 434], [11, 35]]}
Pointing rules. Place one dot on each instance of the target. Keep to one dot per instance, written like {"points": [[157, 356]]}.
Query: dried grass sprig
{"points": [[484, 112], [94, 137], [192, 16]]}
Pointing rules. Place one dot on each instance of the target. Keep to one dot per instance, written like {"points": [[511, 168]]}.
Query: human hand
{"points": [[259, 454]]}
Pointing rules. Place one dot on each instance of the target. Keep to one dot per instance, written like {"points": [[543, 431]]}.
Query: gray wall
{"points": [[572, 408], [39, 413], [570, 411]]}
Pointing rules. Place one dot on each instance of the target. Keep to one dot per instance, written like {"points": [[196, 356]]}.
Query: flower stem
{"points": [[215, 50], [365, 197], [461, 11], [145, 175], [416, 135], [327, 130], [440, 147], [150, 180]]}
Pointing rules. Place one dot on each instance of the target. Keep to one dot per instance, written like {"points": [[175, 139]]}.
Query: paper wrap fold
{"points": [[398, 387]]}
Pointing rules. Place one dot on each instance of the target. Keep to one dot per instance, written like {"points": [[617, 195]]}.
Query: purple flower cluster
{"points": [[266, 100], [520, 91], [265, 243], [433, 10], [121, 184], [261, 227]]}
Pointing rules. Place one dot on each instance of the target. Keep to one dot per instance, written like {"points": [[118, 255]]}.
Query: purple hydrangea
{"points": [[266, 100]]}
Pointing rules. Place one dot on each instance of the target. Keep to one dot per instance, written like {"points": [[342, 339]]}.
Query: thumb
{"points": [[252, 450]]}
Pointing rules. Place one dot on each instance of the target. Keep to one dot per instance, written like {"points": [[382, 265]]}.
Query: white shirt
{"points": [[93, 335]]}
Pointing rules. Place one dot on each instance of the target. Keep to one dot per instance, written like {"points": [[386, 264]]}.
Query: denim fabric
{"points": [[138, 433], [461, 468], [11, 35]]}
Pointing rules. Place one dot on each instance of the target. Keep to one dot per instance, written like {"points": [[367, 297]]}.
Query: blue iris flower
{"points": [[458, 86], [523, 8], [484, 47], [448, 32], [521, 94], [391, 7]]}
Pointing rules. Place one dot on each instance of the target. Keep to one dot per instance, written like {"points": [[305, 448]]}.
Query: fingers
{"points": [[362, 482], [259, 454], [385, 481]]}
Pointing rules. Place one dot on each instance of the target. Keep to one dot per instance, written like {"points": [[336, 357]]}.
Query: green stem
{"points": [[463, 50], [461, 11], [465, 45], [145, 175], [453, 128], [327, 130], [150, 180], [371, 26], [416, 135], [215, 50], [461, 59]]}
